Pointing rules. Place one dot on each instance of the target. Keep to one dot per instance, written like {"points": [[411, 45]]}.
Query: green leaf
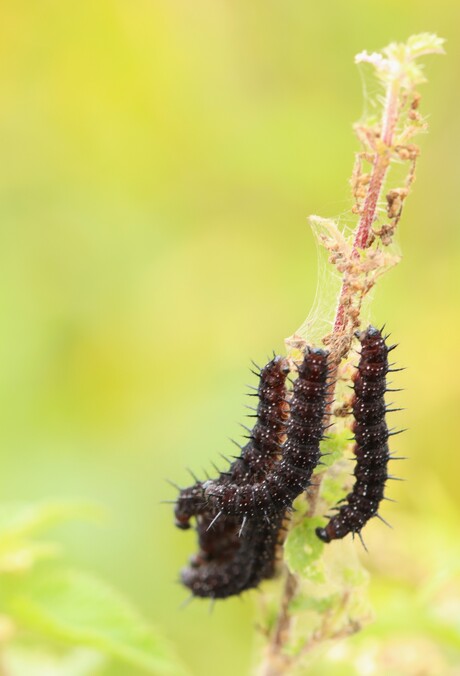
{"points": [[321, 604], [399, 60], [37, 662], [20, 520], [84, 611], [354, 576], [332, 489], [22, 556], [333, 447], [303, 548], [425, 43]]}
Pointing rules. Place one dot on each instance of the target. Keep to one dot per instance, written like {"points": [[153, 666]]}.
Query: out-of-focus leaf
{"points": [[20, 520], [303, 548], [78, 662], [354, 575], [333, 448], [24, 555], [319, 604], [332, 488], [84, 611]]}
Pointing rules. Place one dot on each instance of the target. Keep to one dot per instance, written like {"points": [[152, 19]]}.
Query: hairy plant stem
{"points": [[368, 214], [276, 661], [359, 265]]}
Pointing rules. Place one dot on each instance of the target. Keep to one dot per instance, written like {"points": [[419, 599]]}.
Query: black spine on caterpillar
{"points": [[290, 475], [260, 452], [371, 435], [228, 564]]}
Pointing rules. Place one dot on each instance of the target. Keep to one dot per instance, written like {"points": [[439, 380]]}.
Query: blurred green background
{"points": [[158, 162]]}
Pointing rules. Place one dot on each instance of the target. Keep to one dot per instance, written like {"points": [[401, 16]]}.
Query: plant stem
{"points": [[276, 663], [369, 210], [359, 265]]}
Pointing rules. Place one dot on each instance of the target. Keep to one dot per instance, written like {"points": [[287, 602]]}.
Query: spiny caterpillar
{"points": [[371, 436], [276, 490], [237, 548], [240, 514], [229, 563], [234, 555], [258, 455]]}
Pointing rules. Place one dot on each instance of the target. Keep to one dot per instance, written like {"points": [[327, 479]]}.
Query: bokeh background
{"points": [[158, 161]]}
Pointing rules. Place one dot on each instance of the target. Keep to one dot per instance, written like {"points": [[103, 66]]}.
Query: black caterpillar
{"points": [[234, 555], [227, 564], [268, 493], [371, 436], [258, 455], [239, 516]]}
